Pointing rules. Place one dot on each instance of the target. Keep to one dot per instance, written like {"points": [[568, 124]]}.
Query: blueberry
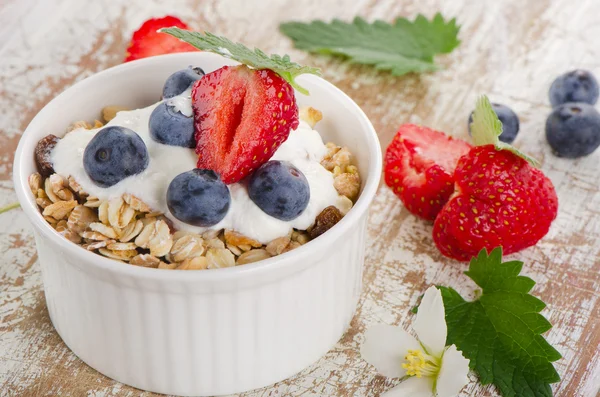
{"points": [[198, 197], [170, 127], [573, 130], [279, 189], [574, 86], [180, 81], [509, 120], [113, 154]]}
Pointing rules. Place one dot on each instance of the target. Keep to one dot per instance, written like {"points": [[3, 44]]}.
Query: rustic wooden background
{"points": [[511, 50]]}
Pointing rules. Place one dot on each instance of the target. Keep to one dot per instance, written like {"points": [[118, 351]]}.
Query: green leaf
{"points": [[402, 47], [282, 65], [486, 127], [500, 332]]}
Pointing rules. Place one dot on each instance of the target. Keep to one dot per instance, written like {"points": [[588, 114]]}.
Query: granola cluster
{"points": [[127, 230]]}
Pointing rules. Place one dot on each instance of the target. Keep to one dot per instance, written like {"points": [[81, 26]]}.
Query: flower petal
{"points": [[385, 347], [430, 324], [453, 373], [412, 387]]}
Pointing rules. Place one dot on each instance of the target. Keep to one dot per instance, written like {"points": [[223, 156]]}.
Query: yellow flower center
{"points": [[420, 364]]}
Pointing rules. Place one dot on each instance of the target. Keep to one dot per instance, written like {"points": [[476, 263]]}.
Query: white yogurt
{"points": [[304, 149]]}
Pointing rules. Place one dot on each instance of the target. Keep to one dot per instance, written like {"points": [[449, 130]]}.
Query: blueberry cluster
{"points": [[573, 127], [197, 197]]}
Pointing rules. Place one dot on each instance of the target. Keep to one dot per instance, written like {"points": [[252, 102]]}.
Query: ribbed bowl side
{"points": [[201, 342]]}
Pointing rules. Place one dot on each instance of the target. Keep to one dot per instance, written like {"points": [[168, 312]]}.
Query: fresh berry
{"points": [[418, 167], [509, 120], [181, 80], [574, 86], [280, 190], [241, 117], [500, 200], [147, 42], [198, 197], [170, 127], [573, 130], [113, 154], [43, 150]]}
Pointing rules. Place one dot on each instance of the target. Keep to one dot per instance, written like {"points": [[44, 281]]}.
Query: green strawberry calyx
{"points": [[486, 128]]}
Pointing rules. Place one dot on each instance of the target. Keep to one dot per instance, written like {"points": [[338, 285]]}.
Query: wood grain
{"points": [[511, 50]]}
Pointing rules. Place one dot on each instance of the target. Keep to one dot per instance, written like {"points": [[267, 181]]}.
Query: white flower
{"points": [[430, 368]]}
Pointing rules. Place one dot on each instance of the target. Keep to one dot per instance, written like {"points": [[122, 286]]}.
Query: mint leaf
{"points": [[402, 47], [282, 65], [500, 332], [486, 127]]}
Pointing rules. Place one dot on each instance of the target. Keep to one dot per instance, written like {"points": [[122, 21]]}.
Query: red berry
{"points": [[147, 42], [241, 117], [419, 164], [500, 200]]}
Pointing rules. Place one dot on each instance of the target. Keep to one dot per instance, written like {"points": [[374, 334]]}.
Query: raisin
{"points": [[43, 149], [325, 221]]}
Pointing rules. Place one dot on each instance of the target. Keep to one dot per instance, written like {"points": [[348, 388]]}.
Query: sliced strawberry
{"points": [[419, 164], [241, 117], [147, 42]]}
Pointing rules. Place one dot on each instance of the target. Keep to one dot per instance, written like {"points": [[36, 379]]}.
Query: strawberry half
{"points": [[241, 117], [147, 42], [500, 200], [419, 164]]}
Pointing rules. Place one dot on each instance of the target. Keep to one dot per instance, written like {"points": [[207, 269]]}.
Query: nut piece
{"points": [[118, 255], [278, 245], [197, 263], [42, 151], [76, 187], [131, 231], [109, 112], [85, 125], [57, 189], [92, 202], [310, 115], [327, 160], [237, 239], [62, 228], [145, 260], [92, 246], [219, 257], [168, 266], [136, 203], [302, 237], [102, 229], [119, 213], [80, 219], [60, 209], [35, 183], [155, 236], [325, 221], [43, 202], [344, 204], [292, 246], [186, 247], [251, 256], [347, 185]]}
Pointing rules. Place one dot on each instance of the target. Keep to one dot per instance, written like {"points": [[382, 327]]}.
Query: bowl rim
{"points": [[280, 262]]}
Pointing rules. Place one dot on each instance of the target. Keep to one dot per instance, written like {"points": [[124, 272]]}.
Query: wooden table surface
{"points": [[511, 50]]}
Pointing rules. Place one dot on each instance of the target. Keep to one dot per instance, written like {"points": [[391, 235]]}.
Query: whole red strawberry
{"points": [[500, 199], [241, 117], [147, 42], [419, 164]]}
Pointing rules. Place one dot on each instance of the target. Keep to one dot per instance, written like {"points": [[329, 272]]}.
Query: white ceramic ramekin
{"points": [[201, 332]]}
